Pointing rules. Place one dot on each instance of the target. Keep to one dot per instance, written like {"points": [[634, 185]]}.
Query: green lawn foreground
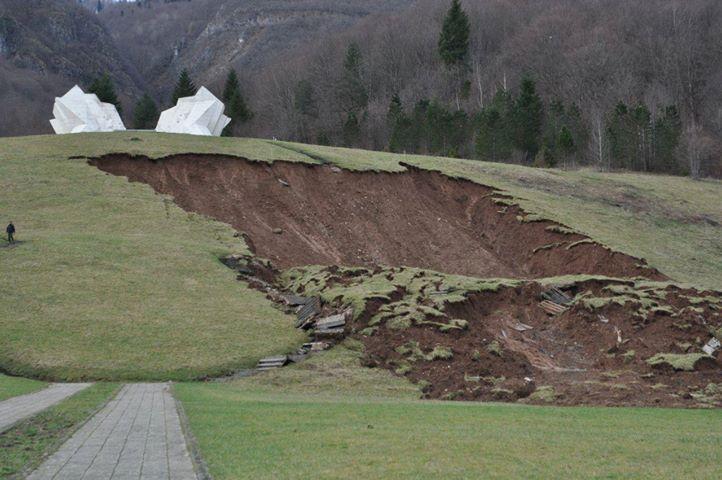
{"points": [[23, 447], [14, 386], [109, 280], [245, 434]]}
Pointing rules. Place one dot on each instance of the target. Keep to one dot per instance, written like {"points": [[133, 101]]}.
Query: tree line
{"points": [[547, 83]]}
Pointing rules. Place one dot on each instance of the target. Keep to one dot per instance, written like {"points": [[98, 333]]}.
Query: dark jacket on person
{"points": [[10, 229]]}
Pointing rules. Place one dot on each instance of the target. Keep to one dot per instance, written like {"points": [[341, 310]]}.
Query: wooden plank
{"points": [[333, 321], [552, 308], [308, 312]]}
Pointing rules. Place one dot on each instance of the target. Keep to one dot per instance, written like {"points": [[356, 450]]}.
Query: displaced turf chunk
{"points": [[544, 393], [560, 229], [494, 347], [580, 242], [679, 361]]}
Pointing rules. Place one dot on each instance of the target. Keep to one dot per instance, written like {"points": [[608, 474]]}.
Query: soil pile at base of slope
{"points": [[616, 343], [299, 214]]}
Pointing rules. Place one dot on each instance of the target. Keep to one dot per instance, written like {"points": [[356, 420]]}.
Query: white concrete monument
{"points": [[201, 114], [77, 111]]}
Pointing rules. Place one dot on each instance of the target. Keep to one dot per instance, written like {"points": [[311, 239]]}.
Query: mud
{"points": [[298, 214], [588, 355]]}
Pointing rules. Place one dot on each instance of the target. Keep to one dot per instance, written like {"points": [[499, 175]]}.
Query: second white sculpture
{"points": [[201, 114]]}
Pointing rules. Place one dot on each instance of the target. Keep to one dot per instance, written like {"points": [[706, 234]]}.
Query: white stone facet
{"points": [[77, 111], [201, 114]]}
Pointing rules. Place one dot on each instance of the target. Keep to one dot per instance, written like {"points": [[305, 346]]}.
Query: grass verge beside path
{"points": [[244, 434], [14, 386], [23, 447]]}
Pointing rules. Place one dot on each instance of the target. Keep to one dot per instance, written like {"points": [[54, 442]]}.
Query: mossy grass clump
{"points": [[678, 361], [544, 393]]}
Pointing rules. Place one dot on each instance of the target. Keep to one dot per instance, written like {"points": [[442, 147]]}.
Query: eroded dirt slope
{"points": [[298, 214]]}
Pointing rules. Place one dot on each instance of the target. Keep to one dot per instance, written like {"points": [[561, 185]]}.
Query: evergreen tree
{"points": [[351, 130], [304, 99], [104, 89], [528, 116], [236, 107], [454, 36], [621, 135], [642, 121], [565, 146], [667, 134], [231, 87], [494, 132], [145, 115], [353, 95], [184, 88]]}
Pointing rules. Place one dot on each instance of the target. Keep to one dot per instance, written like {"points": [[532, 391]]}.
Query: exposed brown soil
{"points": [[298, 214], [576, 353]]}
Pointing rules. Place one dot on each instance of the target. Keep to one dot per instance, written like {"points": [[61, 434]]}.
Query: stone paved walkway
{"points": [[15, 409], [137, 435]]}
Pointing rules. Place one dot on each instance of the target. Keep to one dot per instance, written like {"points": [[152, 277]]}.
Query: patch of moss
{"points": [[399, 323], [494, 347], [530, 218], [504, 201], [368, 331], [679, 361], [440, 353], [544, 393]]}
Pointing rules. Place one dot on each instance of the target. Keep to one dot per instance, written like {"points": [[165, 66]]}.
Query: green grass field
{"points": [[14, 386], [111, 281], [244, 433]]}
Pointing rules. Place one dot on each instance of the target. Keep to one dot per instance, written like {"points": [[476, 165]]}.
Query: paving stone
{"points": [[137, 435], [19, 408]]}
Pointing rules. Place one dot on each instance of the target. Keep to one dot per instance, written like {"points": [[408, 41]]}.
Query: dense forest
{"points": [[616, 84]]}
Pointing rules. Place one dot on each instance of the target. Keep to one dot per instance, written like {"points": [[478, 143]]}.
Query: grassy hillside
{"points": [[111, 280]]}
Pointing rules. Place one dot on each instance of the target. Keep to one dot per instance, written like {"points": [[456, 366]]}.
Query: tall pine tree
{"points": [[105, 90], [145, 115], [236, 107], [454, 37], [352, 92], [528, 117], [184, 88]]}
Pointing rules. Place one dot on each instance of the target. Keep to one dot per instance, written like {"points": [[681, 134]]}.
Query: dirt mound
{"points": [[299, 214], [617, 342]]}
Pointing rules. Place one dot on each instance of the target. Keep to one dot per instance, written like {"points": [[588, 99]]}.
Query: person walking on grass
{"points": [[11, 232]]}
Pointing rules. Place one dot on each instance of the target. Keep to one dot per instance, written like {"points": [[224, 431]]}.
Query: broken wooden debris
{"points": [[556, 296], [711, 346], [308, 312], [552, 308], [272, 362], [294, 300], [333, 321], [315, 346], [521, 327]]}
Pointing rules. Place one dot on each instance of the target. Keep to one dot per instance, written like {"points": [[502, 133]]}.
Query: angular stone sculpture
{"points": [[201, 114], [77, 111]]}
